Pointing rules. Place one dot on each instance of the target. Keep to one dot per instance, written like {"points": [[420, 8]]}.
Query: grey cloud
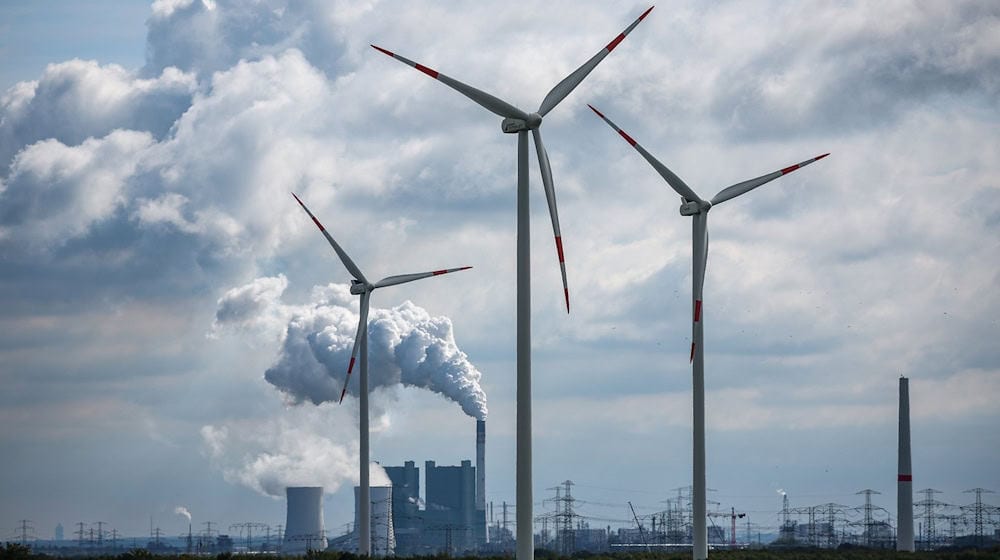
{"points": [[205, 36], [854, 71], [78, 99], [55, 192]]}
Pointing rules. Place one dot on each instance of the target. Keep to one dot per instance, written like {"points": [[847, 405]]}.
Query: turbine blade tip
{"points": [[822, 156], [381, 50], [566, 290], [646, 13], [594, 109]]}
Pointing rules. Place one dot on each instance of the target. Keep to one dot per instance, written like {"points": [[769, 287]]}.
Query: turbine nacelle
{"points": [[358, 287], [511, 125], [692, 207]]}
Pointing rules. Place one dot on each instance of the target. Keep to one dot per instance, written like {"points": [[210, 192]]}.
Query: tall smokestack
{"points": [[904, 490], [481, 477], [304, 523]]}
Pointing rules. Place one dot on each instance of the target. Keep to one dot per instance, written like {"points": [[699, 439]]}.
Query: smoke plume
{"points": [[406, 345], [181, 510], [303, 446]]}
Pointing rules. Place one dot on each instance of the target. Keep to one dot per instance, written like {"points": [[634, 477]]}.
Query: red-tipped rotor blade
{"points": [[673, 180], [404, 278], [348, 263], [550, 197], [362, 327], [569, 83], [489, 102], [700, 263], [747, 186]]}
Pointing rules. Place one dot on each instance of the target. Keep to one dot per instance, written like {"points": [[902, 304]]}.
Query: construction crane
{"points": [[733, 516]]}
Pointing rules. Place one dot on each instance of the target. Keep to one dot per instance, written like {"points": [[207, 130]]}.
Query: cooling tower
{"points": [[904, 490], [304, 522], [383, 535], [481, 480]]}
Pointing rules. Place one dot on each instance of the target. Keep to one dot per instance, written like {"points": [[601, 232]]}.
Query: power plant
{"points": [[453, 516]]}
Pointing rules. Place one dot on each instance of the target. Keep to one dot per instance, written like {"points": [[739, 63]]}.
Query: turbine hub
{"points": [[358, 287], [692, 207], [510, 125]]}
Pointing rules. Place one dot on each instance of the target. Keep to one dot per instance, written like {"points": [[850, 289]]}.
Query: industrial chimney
{"points": [[481, 479], [304, 522], [904, 490]]}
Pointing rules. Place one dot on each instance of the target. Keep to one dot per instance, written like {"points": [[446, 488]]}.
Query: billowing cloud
{"points": [[55, 191], [81, 99]]}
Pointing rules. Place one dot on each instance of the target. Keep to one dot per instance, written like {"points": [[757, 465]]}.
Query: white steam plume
{"points": [[181, 510], [303, 446], [406, 345]]}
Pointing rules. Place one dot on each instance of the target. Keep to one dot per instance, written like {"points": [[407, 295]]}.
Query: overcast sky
{"points": [[153, 265]]}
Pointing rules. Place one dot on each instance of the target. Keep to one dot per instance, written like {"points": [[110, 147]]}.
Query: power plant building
{"points": [[451, 518]]}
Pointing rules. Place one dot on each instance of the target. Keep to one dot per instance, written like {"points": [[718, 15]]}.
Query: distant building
{"points": [[59, 532]]}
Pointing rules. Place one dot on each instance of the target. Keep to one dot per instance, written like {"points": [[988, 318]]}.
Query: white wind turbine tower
{"points": [[693, 205], [517, 121], [362, 287]]}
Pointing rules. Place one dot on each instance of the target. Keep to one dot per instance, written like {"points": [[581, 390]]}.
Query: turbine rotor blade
{"points": [[348, 263], [550, 197], [404, 278], [569, 83], [491, 103], [700, 262], [747, 186], [362, 326], [673, 180]]}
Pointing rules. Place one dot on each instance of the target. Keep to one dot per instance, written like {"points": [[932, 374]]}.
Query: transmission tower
{"points": [[978, 512], [25, 532], [79, 534], [929, 503], [563, 518], [830, 531], [248, 527], [869, 518]]}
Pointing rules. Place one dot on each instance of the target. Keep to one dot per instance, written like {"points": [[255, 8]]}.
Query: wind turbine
{"points": [[360, 286], [517, 121], [694, 206]]}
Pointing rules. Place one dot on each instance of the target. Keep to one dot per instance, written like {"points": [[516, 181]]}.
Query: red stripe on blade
{"points": [[789, 169], [599, 114], [611, 46], [439, 272], [646, 13], [381, 50], [906, 478], [349, 368], [627, 137], [559, 249], [429, 71], [319, 225], [697, 310]]}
